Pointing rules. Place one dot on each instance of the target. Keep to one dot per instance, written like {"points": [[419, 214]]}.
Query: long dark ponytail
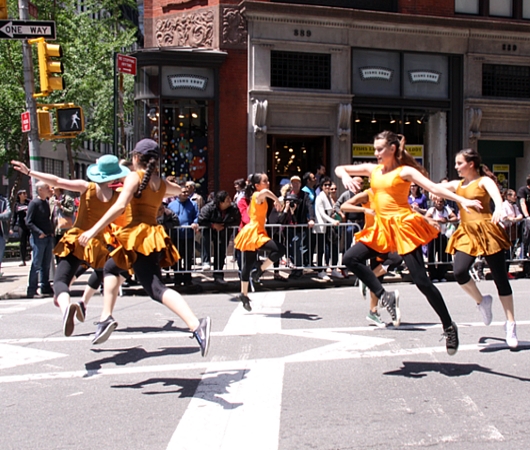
{"points": [[250, 188]]}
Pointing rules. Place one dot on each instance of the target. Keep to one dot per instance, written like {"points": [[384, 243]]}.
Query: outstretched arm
{"points": [[410, 174], [130, 186], [52, 180], [346, 172]]}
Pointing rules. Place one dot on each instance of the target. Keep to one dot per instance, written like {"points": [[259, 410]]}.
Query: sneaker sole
{"points": [[106, 333], [68, 324], [397, 322], [207, 337], [246, 305]]}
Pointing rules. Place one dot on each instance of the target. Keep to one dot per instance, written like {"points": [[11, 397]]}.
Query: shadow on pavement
{"points": [[421, 369]]}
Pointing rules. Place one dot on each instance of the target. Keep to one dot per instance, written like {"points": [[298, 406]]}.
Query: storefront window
{"points": [[147, 82], [425, 76], [376, 73], [184, 141]]}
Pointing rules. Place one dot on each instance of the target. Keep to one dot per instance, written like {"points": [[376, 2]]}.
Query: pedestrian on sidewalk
{"points": [[144, 245], [480, 233], [96, 198], [5, 218], [397, 227], [19, 223], [41, 239], [253, 237]]}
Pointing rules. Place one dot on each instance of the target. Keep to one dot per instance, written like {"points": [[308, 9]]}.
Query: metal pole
{"points": [[31, 104], [115, 103]]}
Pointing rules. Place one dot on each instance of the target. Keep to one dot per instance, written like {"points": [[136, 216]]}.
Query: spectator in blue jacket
{"points": [[184, 236]]}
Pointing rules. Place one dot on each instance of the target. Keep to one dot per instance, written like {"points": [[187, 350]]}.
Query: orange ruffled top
{"points": [[477, 235], [253, 235], [396, 228], [143, 234], [90, 210]]}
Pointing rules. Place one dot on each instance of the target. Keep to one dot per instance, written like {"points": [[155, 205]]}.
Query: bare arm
{"points": [[410, 174], [522, 207], [130, 186], [345, 174], [172, 189], [491, 188], [52, 180], [352, 205], [266, 193]]}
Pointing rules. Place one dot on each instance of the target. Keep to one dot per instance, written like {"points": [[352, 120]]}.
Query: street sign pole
{"points": [[31, 105]]}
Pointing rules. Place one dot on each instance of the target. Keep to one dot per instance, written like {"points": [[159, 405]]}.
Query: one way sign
{"points": [[27, 29]]}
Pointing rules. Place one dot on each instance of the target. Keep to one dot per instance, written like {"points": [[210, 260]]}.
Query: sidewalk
{"points": [[14, 280]]}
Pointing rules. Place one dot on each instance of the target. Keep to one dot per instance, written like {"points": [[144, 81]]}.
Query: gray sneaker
{"points": [[104, 330], [484, 308], [202, 334], [375, 318], [390, 300]]}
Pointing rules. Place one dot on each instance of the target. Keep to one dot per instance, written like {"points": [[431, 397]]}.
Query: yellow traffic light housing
{"points": [[44, 121], [69, 121], [3, 9], [48, 67]]}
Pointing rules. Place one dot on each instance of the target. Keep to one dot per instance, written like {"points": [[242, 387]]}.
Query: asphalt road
{"points": [[303, 370]]}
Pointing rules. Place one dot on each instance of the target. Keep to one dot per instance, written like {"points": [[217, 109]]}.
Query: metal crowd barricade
{"points": [[201, 251], [302, 245]]}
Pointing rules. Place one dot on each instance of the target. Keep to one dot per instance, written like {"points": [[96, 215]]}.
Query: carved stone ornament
{"points": [[234, 27], [186, 30], [344, 119], [259, 117], [474, 117]]}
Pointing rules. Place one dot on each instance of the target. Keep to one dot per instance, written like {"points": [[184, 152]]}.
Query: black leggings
{"points": [[64, 274], [463, 262], [275, 249], [148, 273], [355, 260], [67, 269]]}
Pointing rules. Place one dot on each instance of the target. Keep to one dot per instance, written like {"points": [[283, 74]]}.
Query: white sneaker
{"points": [[485, 309], [336, 274], [206, 266], [324, 276], [511, 336]]}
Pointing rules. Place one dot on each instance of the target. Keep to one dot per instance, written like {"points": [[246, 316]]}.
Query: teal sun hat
{"points": [[107, 168]]}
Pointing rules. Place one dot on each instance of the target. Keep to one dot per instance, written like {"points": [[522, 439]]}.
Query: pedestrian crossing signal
{"points": [[70, 120]]}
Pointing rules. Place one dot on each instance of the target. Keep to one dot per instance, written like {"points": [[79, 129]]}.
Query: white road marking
{"points": [[12, 356], [14, 306], [249, 411]]}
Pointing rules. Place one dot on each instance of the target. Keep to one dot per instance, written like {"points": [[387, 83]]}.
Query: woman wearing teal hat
{"points": [[143, 245], [96, 198]]}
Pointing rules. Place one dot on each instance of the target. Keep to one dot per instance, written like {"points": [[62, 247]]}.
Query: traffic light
{"points": [[44, 122], [48, 67], [3, 9], [70, 120]]}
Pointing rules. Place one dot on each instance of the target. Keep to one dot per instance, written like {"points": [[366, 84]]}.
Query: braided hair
{"points": [[150, 162], [403, 157]]}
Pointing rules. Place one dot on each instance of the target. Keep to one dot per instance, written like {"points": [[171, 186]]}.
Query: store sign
{"points": [[502, 172], [187, 81], [424, 76], [367, 150], [376, 73]]}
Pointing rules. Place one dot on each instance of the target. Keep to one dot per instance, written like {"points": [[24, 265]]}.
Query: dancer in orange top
{"points": [[397, 228], [96, 198], [253, 236], [479, 233], [143, 244]]}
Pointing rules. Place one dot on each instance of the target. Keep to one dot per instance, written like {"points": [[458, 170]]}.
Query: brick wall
{"points": [[444, 8], [233, 119]]}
